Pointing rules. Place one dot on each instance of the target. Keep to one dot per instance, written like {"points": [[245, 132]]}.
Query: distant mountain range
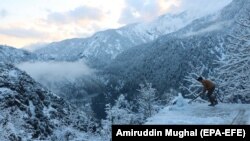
{"points": [[13, 55], [99, 49]]}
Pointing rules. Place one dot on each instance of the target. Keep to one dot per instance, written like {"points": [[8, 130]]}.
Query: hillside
{"points": [[30, 112]]}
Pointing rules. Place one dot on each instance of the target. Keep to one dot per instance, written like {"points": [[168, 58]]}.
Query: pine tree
{"points": [[147, 100], [120, 113], [107, 124]]}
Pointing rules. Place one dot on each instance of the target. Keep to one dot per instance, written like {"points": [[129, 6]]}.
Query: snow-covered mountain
{"points": [[13, 55], [104, 46], [166, 61], [30, 112]]}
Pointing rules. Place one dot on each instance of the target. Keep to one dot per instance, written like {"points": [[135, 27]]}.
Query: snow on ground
{"points": [[200, 113], [5, 92]]}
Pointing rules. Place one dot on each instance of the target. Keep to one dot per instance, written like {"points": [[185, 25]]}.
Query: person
{"points": [[208, 86]]}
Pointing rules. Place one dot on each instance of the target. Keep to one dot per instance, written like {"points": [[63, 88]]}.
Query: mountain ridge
{"points": [[13, 55], [104, 46]]}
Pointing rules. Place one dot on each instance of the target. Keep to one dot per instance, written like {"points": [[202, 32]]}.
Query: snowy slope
{"points": [[201, 113], [30, 112]]}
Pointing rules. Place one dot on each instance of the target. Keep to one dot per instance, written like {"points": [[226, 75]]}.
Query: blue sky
{"points": [[25, 22]]}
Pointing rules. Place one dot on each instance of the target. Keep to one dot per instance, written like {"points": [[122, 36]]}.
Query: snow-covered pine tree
{"points": [[147, 101], [234, 72], [120, 113], [106, 124]]}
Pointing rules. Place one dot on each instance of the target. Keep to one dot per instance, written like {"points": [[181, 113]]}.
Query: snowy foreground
{"points": [[200, 113]]}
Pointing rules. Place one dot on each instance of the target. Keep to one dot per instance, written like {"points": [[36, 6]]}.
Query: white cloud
{"points": [[79, 13], [55, 71], [21, 32], [139, 10]]}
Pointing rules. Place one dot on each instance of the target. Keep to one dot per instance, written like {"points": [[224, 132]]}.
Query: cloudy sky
{"points": [[25, 22]]}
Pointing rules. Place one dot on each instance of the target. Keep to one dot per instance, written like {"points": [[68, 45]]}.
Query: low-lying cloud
{"points": [[55, 71]]}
